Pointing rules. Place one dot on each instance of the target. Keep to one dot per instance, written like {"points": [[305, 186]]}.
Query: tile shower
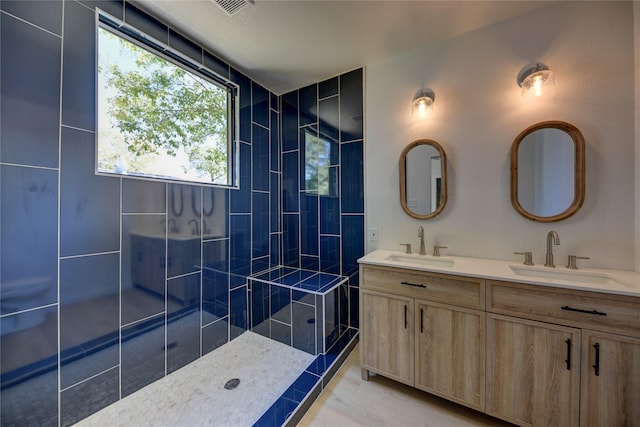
{"points": [[88, 264]]}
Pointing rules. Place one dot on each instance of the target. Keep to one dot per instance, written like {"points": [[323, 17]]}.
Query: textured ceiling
{"points": [[285, 45]]}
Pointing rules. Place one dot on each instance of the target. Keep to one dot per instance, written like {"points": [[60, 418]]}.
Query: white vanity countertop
{"points": [[588, 279]]}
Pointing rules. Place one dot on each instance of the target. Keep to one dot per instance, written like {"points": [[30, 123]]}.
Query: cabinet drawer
{"points": [[457, 290], [583, 309]]}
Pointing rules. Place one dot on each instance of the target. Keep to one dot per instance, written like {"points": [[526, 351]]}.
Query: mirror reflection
{"points": [[547, 171], [423, 179]]}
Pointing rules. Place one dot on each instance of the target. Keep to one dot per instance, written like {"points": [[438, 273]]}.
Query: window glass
{"points": [[159, 116]]}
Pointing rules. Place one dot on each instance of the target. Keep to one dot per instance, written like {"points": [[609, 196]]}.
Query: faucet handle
{"points": [[436, 249], [571, 263], [408, 245], [528, 257]]}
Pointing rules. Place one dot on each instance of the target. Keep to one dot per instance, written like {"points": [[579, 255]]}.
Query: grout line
{"points": [[36, 26], [59, 225]]}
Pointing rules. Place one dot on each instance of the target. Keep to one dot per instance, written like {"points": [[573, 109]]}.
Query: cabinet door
{"points": [[450, 352], [387, 335], [611, 380], [533, 372]]}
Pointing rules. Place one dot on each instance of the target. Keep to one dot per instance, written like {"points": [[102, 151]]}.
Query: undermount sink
{"points": [[568, 275], [421, 259]]}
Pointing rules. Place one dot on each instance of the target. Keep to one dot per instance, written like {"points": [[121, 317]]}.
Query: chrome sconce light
{"points": [[422, 103], [535, 80]]}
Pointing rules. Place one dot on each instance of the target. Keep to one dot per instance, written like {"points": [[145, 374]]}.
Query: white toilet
{"points": [[16, 295]]}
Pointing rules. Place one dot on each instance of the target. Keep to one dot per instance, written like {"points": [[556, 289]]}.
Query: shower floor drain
{"points": [[232, 383]]}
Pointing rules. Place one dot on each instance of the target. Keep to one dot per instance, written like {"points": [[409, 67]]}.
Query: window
{"points": [[320, 154], [160, 115]]}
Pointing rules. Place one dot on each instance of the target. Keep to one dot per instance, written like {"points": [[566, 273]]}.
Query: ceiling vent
{"points": [[231, 7]]}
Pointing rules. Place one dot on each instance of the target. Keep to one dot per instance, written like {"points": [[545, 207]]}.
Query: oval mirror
{"points": [[548, 171], [423, 179]]}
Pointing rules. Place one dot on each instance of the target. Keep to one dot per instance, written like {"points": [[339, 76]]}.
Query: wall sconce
{"points": [[422, 103], [532, 80]]}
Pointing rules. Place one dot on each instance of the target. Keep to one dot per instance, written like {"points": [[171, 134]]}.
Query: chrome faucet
{"points": [[195, 230], [423, 251], [552, 239]]}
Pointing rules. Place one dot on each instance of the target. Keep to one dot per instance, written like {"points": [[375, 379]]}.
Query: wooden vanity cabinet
{"points": [[610, 394], [526, 349], [532, 355], [425, 330], [533, 372], [387, 324], [450, 352]]}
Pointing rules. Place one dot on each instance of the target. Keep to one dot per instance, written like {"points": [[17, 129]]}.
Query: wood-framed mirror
{"points": [[423, 179], [548, 171]]}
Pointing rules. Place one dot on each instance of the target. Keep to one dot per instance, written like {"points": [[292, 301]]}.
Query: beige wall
{"points": [[478, 113]]}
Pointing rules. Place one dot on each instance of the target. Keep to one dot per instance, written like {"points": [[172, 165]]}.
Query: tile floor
{"points": [[195, 395]]}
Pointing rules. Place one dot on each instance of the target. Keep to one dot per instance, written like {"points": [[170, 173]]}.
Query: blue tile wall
{"points": [[180, 296], [143, 274], [185, 46], [280, 309], [217, 65], [113, 7], [260, 158], [183, 321], [142, 350], [303, 330], [307, 105], [140, 196], [146, 23], [30, 88], [275, 140], [89, 204], [29, 367], [352, 244], [83, 400], [322, 175], [238, 314], [328, 87], [88, 281], [245, 103], [329, 116], [290, 240], [215, 335], [46, 14], [240, 241], [351, 110], [275, 202], [78, 68], [28, 199], [241, 199], [290, 121], [290, 186], [260, 224], [352, 178], [330, 254], [309, 224], [153, 275], [261, 104], [215, 280]]}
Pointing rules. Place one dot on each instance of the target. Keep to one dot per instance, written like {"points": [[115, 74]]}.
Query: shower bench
{"points": [[308, 310]]}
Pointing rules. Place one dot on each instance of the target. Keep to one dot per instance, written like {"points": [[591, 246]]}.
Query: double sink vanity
{"points": [[530, 345], [535, 346]]}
